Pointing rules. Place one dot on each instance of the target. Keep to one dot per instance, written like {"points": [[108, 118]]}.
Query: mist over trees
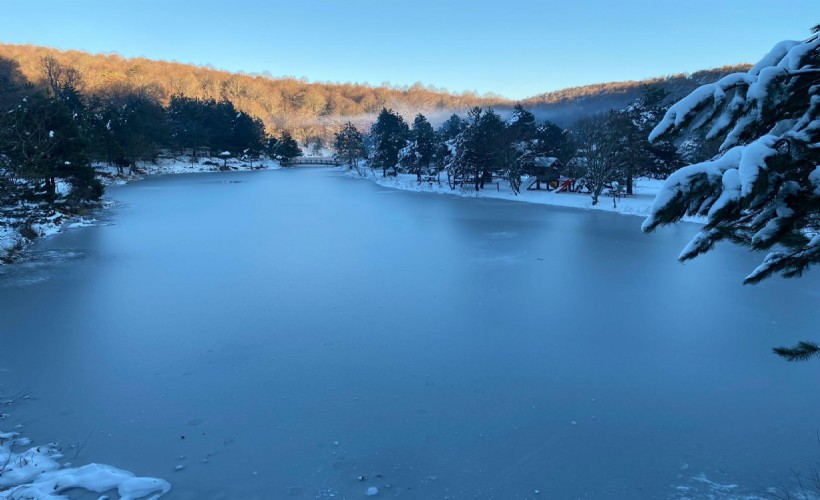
{"points": [[129, 110], [601, 153], [305, 109], [310, 110]]}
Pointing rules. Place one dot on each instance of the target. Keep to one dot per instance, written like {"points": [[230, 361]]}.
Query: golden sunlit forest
{"points": [[312, 109]]}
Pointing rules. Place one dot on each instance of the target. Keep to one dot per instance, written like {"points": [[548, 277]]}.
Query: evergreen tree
{"points": [[450, 129], [349, 146], [12, 84], [522, 127], [248, 135], [287, 148], [446, 135], [43, 142], [518, 152], [551, 141], [188, 119], [419, 153], [763, 189], [481, 148], [270, 145], [220, 126], [633, 124], [389, 134], [139, 129]]}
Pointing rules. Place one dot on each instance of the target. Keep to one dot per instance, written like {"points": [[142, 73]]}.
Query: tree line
{"points": [[55, 131], [320, 109], [307, 110], [599, 151]]}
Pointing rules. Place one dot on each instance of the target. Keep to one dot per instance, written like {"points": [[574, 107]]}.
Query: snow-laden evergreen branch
{"points": [[763, 188]]}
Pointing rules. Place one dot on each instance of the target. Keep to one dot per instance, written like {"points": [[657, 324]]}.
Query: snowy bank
{"points": [[181, 165], [35, 472], [22, 224], [638, 204]]}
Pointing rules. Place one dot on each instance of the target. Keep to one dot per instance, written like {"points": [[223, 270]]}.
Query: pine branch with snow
{"points": [[762, 189]]}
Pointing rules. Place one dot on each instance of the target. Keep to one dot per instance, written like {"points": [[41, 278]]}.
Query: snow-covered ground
{"points": [[637, 204], [28, 471], [163, 166], [39, 220], [46, 220]]}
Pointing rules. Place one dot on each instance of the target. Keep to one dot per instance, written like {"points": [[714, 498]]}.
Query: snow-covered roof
{"points": [[545, 162]]}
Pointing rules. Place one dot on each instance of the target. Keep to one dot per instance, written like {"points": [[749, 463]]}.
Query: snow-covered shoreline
{"points": [[170, 166], [638, 204], [36, 472], [44, 220]]}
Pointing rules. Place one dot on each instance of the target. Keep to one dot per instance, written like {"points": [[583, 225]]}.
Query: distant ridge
{"points": [[320, 109], [567, 105]]}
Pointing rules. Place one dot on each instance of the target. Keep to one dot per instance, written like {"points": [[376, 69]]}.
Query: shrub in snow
{"points": [[763, 188]]}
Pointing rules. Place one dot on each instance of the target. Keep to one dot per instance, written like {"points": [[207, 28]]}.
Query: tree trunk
{"points": [[51, 191], [597, 188], [629, 181]]}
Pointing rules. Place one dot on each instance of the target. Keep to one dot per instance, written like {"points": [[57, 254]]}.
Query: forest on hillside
{"points": [[305, 109], [64, 112], [310, 110]]}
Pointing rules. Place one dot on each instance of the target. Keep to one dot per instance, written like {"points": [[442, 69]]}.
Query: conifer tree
{"points": [[287, 148], [419, 153], [389, 135], [45, 143], [763, 189], [349, 146], [480, 148], [642, 157], [248, 135], [517, 152], [522, 125], [446, 135], [552, 141]]}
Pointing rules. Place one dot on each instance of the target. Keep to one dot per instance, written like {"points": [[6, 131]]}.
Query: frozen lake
{"points": [[287, 332]]}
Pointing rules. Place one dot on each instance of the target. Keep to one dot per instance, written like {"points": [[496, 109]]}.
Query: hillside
{"points": [[567, 105], [306, 109], [319, 109]]}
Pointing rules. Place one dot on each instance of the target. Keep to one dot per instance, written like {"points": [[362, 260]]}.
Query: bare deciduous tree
{"points": [[600, 155]]}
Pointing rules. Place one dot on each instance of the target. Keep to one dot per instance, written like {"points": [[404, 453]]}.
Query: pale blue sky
{"points": [[514, 48]]}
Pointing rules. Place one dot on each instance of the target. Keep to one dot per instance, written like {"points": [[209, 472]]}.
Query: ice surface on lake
{"points": [[298, 330]]}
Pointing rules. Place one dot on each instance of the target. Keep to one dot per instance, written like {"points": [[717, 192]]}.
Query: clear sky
{"points": [[513, 48]]}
